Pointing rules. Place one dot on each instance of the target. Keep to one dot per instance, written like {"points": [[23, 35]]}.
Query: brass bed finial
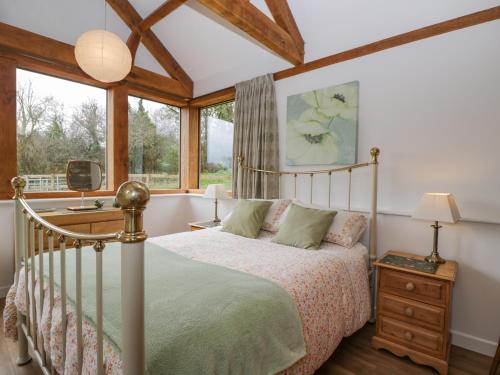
{"points": [[133, 196], [374, 152], [18, 183]]}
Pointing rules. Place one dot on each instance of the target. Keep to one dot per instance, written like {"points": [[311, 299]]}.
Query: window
{"points": [[153, 143], [216, 145], [57, 121]]}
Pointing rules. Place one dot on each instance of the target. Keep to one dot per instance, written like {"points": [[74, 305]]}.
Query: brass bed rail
{"points": [[372, 165], [132, 197]]}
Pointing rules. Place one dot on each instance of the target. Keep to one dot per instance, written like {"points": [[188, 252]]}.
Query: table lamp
{"points": [[215, 191], [437, 207]]}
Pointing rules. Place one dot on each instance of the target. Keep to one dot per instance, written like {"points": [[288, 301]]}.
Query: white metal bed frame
{"points": [[133, 197], [372, 232]]}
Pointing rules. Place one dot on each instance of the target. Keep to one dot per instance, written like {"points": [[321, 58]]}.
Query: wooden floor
{"points": [[354, 356]]}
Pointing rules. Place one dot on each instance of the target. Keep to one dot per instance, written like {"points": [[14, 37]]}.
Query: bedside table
{"points": [[413, 312], [203, 225]]}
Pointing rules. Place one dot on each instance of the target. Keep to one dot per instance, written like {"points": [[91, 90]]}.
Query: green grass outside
{"points": [[224, 177]]}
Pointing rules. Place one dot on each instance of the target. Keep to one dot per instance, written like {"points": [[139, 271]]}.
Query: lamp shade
{"points": [[437, 207], [215, 191], [103, 56]]}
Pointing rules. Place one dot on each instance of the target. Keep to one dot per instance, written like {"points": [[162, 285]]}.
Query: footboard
{"points": [[132, 197]]}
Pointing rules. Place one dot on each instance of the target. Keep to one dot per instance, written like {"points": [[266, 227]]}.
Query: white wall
{"points": [[433, 108]]}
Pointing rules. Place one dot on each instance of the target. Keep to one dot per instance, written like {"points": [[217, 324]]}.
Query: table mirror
{"points": [[83, 176]]}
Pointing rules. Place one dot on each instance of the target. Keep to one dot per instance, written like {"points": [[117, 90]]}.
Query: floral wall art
{"points": [[322, 126]]}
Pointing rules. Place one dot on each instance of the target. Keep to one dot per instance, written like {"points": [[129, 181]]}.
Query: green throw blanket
{"points": [[200, 318]]}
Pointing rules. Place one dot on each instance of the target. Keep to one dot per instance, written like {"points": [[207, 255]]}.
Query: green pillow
{"points": [[247, 218], [304, 227]]}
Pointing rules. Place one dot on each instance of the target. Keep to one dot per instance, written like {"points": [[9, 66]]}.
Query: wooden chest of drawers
{"points": [[413, 312]]}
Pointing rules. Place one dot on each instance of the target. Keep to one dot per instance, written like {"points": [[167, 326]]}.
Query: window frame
{"points": [[69, 193], [222, 99], [116, 158], [165, 190]]}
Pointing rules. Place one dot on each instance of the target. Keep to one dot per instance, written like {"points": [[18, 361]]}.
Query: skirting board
{"points": [[476, 344]]}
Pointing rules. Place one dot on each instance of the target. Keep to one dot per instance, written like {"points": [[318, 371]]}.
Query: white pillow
{"points": [[346, 229], [271, 221]]}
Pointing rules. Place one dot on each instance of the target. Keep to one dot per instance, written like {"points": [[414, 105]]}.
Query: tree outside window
{"points": [[57, 121], [153, 143], [216, 145]]}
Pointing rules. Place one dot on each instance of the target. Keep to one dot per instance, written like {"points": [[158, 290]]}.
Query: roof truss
{"points": [[284, 18], [282, 37], [248, 18], [133, 20], [46, 55]]}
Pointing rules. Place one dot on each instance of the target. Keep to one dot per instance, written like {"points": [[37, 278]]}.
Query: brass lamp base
{"points": [[216, 219], [434, 257]]}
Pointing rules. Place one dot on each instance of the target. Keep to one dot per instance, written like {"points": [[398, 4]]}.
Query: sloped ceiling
{"points": [[215, 54]]}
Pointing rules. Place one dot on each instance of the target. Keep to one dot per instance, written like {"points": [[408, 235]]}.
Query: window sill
{"points": [[98, 194]]}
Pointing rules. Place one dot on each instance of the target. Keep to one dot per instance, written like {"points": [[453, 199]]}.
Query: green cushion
{"points": [[304, 227], [247, 218]]}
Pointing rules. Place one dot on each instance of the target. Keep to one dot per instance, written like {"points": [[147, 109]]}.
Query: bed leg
{"points": [[18, 184], [133, 197], [23, 356]]}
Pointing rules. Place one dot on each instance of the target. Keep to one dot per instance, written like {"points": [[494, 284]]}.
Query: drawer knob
{"points": [[408, 336], [409, 312], [410, 287]]}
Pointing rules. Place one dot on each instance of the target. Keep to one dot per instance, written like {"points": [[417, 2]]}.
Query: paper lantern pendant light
{"points": [[103, 56]]}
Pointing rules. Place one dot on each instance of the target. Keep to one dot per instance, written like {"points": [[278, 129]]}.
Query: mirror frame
{"points": [[70, 187]]}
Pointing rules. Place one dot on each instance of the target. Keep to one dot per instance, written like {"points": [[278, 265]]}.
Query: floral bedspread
{"points": [[329, 286]]}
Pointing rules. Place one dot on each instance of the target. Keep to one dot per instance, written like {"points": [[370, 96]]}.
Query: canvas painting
{"points": [[322, 126]]}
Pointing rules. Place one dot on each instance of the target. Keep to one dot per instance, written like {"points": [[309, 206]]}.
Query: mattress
{"points": [[329, 287]]}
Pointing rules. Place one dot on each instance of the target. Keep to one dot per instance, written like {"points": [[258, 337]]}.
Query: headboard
{"points": [[371, 166]]}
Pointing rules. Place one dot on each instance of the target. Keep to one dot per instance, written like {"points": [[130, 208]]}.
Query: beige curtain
{"points": [[256, 137]]}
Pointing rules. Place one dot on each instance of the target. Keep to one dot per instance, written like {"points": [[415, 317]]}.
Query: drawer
{"points": [[411, 311], [111, 226], [413, 337], [415, 287]]}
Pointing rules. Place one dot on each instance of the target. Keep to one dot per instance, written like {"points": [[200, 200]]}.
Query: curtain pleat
{"points": [[256, 137]]}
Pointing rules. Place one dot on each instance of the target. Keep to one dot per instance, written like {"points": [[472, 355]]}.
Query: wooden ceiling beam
{"points": [[216, 97], [284, 18], [132, 19], [39, 53], [444, 27], [245, 16], [458, 23], [133, 43], [161, 12]]}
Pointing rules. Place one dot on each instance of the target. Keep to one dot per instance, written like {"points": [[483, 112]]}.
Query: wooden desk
{"points": [[104, 220]]}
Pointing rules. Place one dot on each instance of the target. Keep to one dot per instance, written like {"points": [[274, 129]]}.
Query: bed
{"points": [[328, 293]]}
